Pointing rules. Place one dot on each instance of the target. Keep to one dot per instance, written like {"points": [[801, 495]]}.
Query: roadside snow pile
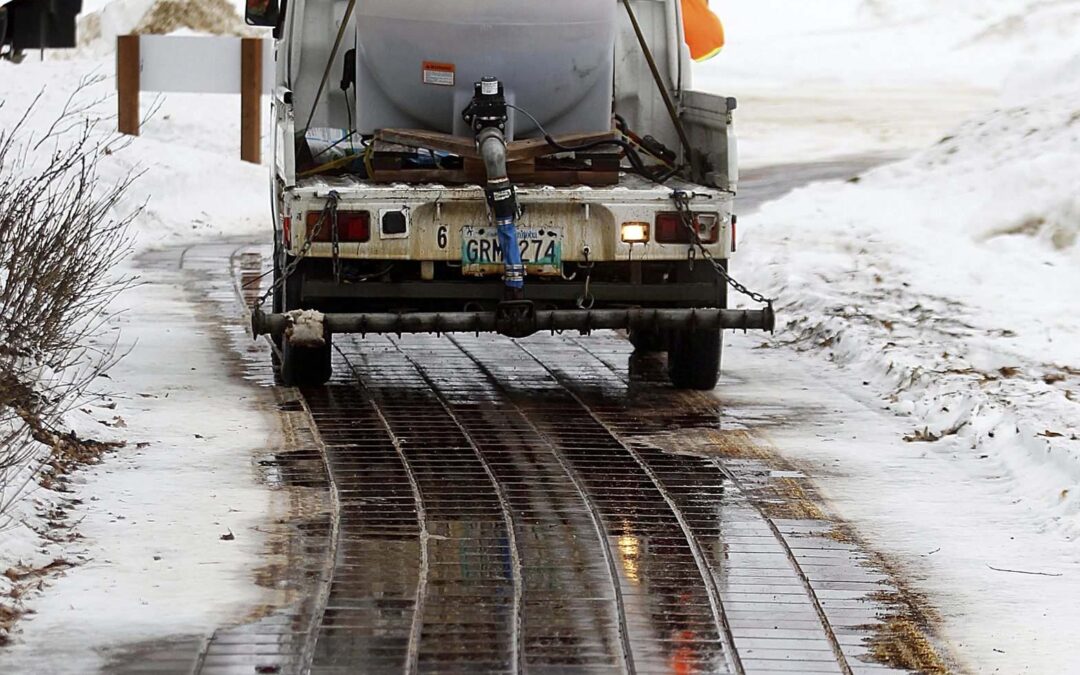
{"points": [[888, 43], [949, 281], [60, 238], [192, 183], [97, 30]]}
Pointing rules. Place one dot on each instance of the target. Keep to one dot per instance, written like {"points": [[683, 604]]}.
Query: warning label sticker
{"points": [[441, 74]]}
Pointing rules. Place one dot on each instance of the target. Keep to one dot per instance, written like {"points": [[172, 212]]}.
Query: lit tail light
{"points": [[352, 226], [670, 228]]}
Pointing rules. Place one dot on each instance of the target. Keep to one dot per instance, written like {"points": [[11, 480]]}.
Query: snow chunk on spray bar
{"points": [[305, 328]]}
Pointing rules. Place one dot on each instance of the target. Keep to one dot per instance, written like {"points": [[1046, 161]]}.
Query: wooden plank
{"points": [[251, 86], [127, 84], [460, 177], [516, 151], [418, 138], [532, 148]]}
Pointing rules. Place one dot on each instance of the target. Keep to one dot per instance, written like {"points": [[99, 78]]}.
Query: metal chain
{"points": [[336, 243], [586, 299], [682, 206], [329, 209]]}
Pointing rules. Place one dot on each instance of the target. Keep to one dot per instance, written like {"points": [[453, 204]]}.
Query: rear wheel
{"points": [[648, 340], [302, 366], [306, 366], [694, 359], [277, 295]]}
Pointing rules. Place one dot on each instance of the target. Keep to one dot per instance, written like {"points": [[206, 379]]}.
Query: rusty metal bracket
{"points": [[516, 318]]}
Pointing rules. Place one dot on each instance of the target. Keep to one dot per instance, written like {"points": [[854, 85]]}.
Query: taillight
{"points": [[670, 228], [352, 226], [286, 231]]}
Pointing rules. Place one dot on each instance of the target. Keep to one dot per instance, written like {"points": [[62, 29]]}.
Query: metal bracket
{"points": [[516, 318]]}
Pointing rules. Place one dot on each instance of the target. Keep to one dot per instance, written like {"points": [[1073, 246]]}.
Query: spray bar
{"points": [[574, 319]]}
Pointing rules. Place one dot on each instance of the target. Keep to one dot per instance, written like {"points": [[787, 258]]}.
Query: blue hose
{"points": [[514, 269]]}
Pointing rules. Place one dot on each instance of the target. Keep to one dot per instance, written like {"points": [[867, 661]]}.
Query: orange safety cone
{"points": [[704, 32]]}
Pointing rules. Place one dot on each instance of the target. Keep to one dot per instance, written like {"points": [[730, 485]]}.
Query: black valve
{"points": [[488, 106]]}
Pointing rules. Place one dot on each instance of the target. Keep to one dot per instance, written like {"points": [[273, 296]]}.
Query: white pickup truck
{"points": [[417, 141]]}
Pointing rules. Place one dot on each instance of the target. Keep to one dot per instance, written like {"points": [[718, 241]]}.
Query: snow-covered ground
{"points": [[150, 561], [172, 526], [928, 303], [931, 300]]}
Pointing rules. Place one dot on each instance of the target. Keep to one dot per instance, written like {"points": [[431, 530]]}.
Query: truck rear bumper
{"points": [[521, 319]]}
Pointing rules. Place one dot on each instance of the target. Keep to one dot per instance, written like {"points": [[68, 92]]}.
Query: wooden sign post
{"points": [[251, 85], [211, 65], [127, 84]]}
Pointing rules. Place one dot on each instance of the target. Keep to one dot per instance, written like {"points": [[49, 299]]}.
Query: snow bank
{"points": [[192, 186], [98, 29], [192, 182], [884, 44], [948, 282]]}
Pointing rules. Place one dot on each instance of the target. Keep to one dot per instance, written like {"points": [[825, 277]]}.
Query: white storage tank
{"points": [[417, 61]]}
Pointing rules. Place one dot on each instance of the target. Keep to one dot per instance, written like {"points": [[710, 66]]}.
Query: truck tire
{"points": [[306, 366], [277, 299], [694, 359], [302, 366], [647, 341]]}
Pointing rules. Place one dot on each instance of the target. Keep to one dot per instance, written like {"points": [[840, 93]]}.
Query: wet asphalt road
{"points": [[547, 505], [761, 185]]}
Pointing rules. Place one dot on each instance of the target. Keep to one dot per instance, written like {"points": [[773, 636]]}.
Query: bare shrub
{"points": [[62, 232]]}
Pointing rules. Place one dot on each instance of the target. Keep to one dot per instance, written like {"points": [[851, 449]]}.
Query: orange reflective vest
{"points": [[704, 32]]}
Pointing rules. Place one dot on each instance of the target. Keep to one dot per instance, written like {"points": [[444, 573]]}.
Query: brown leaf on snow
{"points": [[228, 536], [1051, 434], [922, 436], [1053, 378], [1009, 371], [23, 573]]}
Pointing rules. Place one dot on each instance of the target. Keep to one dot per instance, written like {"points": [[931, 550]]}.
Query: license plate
{"points": [[541, 250]]}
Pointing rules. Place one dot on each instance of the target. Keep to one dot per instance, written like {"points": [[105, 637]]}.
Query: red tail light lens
{"points": [[352, 226], [670, 228]]}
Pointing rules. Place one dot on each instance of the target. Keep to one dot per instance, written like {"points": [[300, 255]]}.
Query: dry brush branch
{"points": [[63, 231]]}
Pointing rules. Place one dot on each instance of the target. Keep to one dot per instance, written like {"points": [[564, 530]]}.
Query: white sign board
{"points": [[196, 65]]}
